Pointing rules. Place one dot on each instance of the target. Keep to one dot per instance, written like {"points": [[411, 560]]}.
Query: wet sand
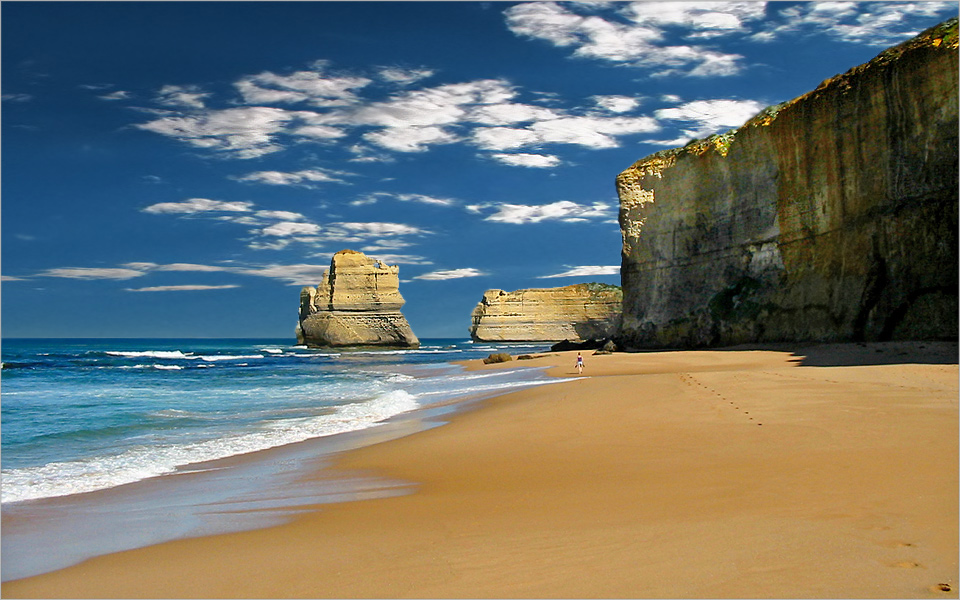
{"points": [[822, 472]]}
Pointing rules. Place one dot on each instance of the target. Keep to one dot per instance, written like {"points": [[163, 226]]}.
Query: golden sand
{"points": [[671, 474]]}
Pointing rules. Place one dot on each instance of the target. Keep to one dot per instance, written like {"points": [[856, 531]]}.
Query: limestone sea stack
{"points": [[831, 217], [357, 304], [576, 312]]}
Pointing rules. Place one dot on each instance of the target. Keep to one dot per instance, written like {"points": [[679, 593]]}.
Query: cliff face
{"points": [[832, 217], [357, 304], [575, 312]]}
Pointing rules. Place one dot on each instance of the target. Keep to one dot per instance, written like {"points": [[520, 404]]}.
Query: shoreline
{"points": [[648, 477], [246, 491]]}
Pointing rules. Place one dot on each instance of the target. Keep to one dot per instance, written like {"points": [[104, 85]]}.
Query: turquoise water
{"points": [[82, 415], [125, 419]]}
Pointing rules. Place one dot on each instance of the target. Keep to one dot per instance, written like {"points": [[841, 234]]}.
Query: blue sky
{"points": [[181, 169]]}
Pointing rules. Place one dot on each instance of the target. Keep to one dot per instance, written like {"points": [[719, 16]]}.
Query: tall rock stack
{"points": [[832, 217], [357, 304], [577, 312]]}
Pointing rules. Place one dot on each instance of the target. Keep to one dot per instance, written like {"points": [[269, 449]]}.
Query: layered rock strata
{"points": [[357, 304], [575, 312], [832, 217]]}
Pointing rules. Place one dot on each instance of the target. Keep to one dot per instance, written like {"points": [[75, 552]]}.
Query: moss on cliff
{"points": [[595, 287]]}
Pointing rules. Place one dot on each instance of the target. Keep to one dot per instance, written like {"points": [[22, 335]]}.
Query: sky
{"points": [[181, 169]]}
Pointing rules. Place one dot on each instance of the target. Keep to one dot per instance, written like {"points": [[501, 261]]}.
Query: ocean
{"points": [[98, 434]]}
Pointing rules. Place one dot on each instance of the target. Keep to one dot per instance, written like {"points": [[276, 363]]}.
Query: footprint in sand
{"points": [[941, 587], [907, 564]]}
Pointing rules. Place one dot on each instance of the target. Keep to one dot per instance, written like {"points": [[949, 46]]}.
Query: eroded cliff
{"points": [[576, 312], [357, 304], [831, 217]]}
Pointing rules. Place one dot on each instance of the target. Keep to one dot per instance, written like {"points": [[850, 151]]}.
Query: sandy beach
{"points": [[829, 471]]}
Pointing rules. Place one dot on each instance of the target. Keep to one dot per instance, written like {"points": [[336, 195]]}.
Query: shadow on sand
{"points": [[854, 354]]}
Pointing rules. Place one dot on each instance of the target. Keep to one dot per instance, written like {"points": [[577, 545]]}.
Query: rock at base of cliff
{"points": [[498, 357]]}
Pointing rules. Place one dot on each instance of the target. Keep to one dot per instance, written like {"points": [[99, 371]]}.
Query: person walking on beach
{"points": [[579, 363]]}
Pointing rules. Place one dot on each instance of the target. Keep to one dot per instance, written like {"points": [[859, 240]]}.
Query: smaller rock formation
{"points": [[575, 312], [357, 304], [498, 357]]}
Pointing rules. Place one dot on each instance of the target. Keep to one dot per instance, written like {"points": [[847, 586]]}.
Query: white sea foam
{"points": [[411, 351], [492, 387], [217, 357], [271, 350], [167, 367], [74, 477], [171, 354]]}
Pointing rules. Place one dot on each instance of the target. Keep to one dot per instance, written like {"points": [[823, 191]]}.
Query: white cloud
{"points": [[870, 23], [528, 160], [118, 95], [189, 96], [402, 76], [617, 104], [381, 229], [313, 87], [719, 18], [303, 177], [375, 197], [246, 132], [409, 139], [186, 267], [586, 271], [634, 34], [198, 205], [591, 131], [92, 273], [424, 199], [451, 274], [289, 228], [367, 200], [282, 215], [510, 113], [16, 97], [706, 117], [182, 288], [503, 138], [296, 274], [441, 105], [564, 210], [11, 278]]}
